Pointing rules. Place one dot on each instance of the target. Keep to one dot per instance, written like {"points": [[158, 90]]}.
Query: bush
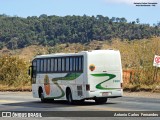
{"points": [[13, 71]]}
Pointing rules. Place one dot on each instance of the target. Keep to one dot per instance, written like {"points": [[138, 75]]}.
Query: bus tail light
{"points": [[121, 85], [87, 87]]}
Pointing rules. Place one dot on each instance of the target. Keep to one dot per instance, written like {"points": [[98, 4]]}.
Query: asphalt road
{"points": [[23, 101]]}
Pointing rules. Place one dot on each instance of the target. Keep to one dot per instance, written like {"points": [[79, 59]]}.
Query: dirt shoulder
{"points": [[142, 94]]}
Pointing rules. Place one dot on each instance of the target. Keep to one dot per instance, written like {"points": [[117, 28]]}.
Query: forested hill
{"points": [[17, 32]]}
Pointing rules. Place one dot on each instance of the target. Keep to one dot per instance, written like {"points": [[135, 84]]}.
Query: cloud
{"points": [[130, 1]]}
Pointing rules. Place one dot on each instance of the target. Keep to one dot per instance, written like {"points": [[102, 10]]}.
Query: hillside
{"points": [[132, 51], [17, 32], [137, 61], [23, 38]]}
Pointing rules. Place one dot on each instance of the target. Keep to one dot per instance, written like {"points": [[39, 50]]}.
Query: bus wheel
{"points": [[69, 97], [43, 100], [82, 100], [100, 100]]}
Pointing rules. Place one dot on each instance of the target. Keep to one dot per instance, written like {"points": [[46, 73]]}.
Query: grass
{"points": [[13, 88], [146, 88]]}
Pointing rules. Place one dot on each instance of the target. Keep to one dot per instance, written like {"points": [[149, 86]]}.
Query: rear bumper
{"points": [[109, 93]]}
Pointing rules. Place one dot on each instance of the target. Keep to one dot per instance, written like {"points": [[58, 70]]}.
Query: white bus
{"points": [[86, 75]]}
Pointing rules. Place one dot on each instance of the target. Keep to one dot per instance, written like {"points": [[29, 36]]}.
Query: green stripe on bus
{"points": [[69, 76], [99, 86]]}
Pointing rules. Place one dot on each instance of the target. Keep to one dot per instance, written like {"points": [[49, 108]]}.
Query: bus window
{"points": [[63, 64], [77, 64], [67, 64], [38, 65], [48, 65], [34, 72], [70, 64], [45, 65], [55, 64], [41, 66], [73, 64], [52, 65], [80, 64], [59, 64]]}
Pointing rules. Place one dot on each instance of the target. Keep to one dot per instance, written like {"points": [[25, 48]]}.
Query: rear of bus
{"points": [[104, 75]]}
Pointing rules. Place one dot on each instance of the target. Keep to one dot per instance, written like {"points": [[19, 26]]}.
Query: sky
{"points": [[111, 8]]}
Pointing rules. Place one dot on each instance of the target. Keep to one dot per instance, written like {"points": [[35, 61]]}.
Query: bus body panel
{"points": [[58, 86], [34, 90], [106, 78]]}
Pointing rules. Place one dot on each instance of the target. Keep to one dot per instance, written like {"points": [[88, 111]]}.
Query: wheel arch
{"points": [[68, 88], [40, 90]]}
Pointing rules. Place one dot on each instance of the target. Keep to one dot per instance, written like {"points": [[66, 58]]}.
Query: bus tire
{"points": [[43, 100], [101, 100], [82, 101], [69, 97]]}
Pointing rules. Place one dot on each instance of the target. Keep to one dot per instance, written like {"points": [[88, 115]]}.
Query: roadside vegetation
{"points": [[137, 60], [23, 38], [13, 73]]}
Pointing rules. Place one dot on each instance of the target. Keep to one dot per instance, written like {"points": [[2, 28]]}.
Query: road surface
{"points": [[23, 101]]}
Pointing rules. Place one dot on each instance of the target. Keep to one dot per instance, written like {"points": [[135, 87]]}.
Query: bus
{"points": [[86, 75]]}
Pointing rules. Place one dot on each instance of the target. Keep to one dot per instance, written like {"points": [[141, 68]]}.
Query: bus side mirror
{"points": [[30, 70]]}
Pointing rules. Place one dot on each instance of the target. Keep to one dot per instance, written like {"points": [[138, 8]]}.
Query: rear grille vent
{"points": [[79, 90]]}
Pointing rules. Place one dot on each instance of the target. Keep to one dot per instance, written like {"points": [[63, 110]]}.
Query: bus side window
{"points": [[67, 64], [74, 64], [55, 64], [71, 64], [52, 65], [45, 65], [48, 65], [59, 64], [63, 64], [41, 70], [77, 64], [34, 71], [38, 65], [80, 64], [34, 67]]}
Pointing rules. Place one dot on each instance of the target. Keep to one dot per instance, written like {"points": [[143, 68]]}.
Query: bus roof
{"points": [[73, 54]]}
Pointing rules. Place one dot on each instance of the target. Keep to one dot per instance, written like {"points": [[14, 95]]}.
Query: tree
{"points": [[158, 24], [43, 16], [117, 19], [1, 45], [113, 19], [123, 20], [12, 44], [17, 32], [133, 22], [137, 20]]}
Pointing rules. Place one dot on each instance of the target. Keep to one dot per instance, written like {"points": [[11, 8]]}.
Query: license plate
{"points": [[105, 94]]}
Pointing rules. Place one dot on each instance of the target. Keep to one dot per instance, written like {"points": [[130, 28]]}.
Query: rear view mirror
{"points": [[30, 70]]}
